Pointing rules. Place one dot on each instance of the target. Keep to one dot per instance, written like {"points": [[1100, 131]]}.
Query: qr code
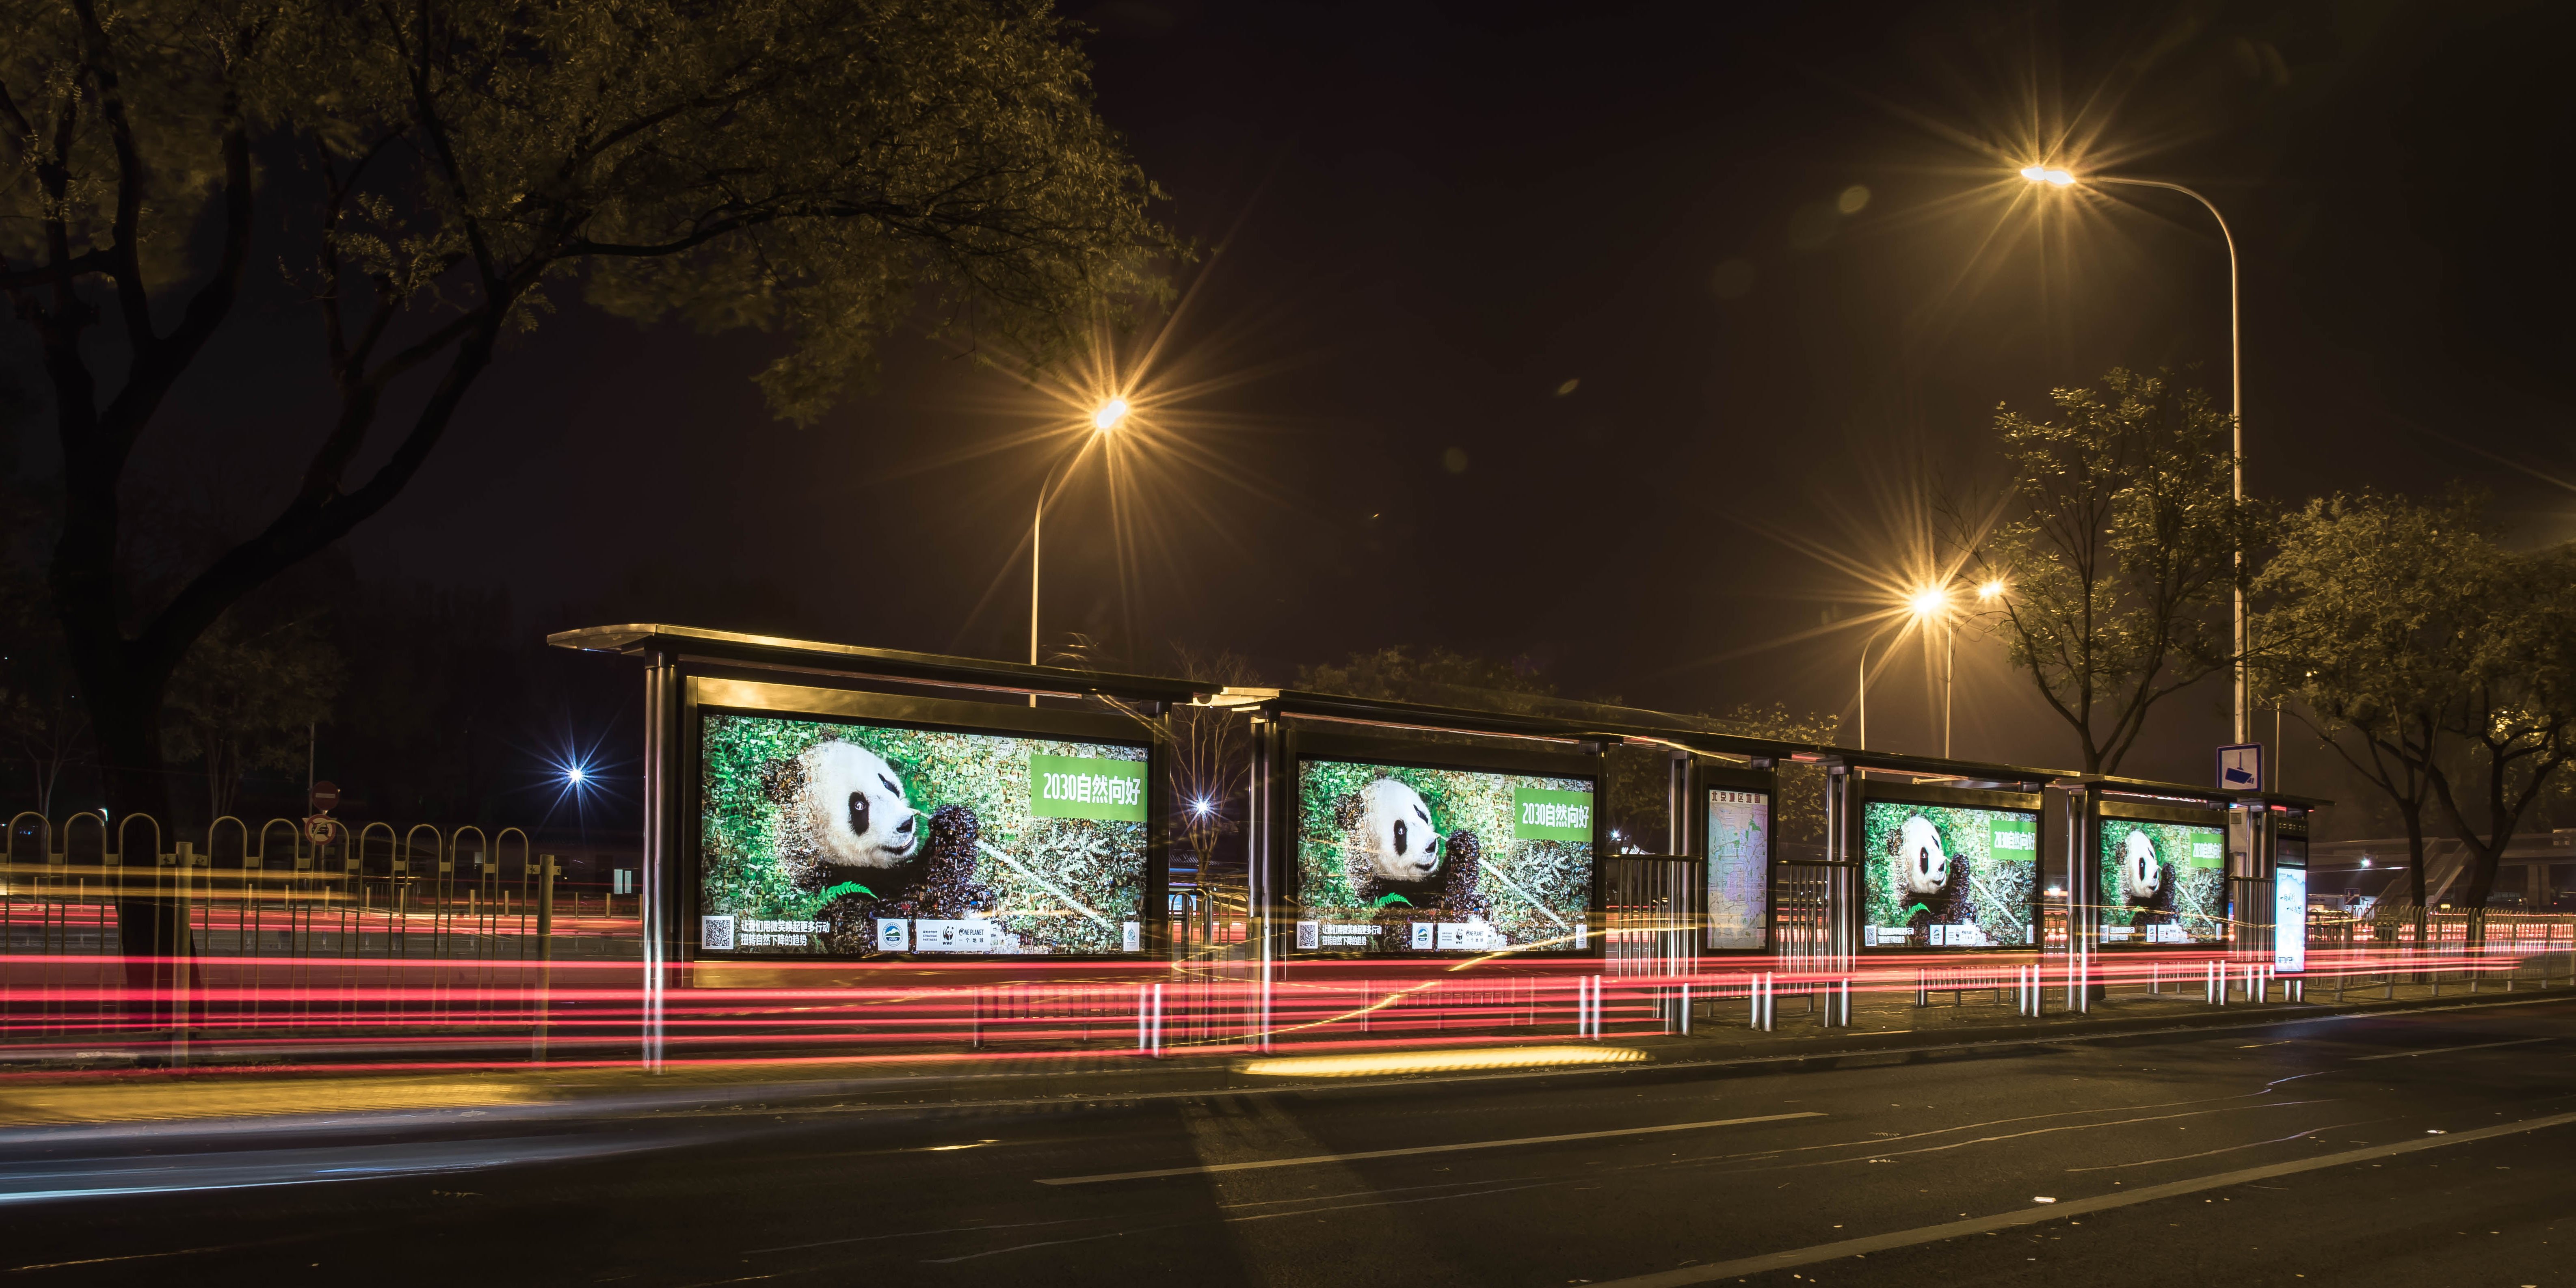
{"points": [[715, 934], [1309, 935]]}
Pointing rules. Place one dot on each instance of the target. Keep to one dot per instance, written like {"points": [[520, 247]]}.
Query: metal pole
{"points": [[2236, 411], [1864, 691], [1037, 528], [1949, 669], [653, 913]]}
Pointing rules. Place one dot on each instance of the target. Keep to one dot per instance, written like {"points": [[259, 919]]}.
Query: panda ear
{"points": [[782, 781], [1346, 810]]}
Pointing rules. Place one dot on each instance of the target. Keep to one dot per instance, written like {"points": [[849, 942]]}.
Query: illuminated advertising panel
{"points": [[2289, 920], [1947, 876], [1739, 869], [2163, 883], [831, 838], [1404, 860]]}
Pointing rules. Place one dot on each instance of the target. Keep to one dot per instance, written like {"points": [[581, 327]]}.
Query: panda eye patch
{"points": [[891, 785], [1399, 836], [1426, 818], [858, 813]]}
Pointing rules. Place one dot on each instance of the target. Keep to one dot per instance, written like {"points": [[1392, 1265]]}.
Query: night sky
{"points": [[1564, 334]]}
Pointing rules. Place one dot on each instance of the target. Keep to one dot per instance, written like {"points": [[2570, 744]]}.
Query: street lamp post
{"points": [[1919, 606], [2060, 178], [1104, 418], [1864, 685]]}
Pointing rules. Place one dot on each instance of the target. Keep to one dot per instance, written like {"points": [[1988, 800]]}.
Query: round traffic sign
{"points": [[326, 797]]}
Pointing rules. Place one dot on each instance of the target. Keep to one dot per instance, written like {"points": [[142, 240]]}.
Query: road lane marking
{"points": [[2225, 1149], [2475, 1046], [2070, 1208], [1313, 1159]]}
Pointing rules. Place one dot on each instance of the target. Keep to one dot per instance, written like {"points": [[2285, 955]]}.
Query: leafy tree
{"points": [[2439, 665], [1437, 677], [244, 701], [2117, 551], [436, 176], [40, 709], [1798, 808]]}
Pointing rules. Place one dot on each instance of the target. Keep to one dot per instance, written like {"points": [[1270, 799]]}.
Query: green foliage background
{"points": [[742, 830], [2001, 888], [2199, 894], [1558, 873]]}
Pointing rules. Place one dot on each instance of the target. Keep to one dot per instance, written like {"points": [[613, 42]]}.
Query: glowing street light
{"points": [[1929, 602], [2061, 178], [1107, 415], [576, 775], [1921, 605], [1989, 591]]}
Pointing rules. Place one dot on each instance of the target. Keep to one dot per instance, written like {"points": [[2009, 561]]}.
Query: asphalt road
{"points": [[2433, 1148]]}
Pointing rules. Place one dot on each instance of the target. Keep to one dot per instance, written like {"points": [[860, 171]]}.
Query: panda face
{"points": [[855, 807], [1396, 834], [2140, 875], [1925, 864]]}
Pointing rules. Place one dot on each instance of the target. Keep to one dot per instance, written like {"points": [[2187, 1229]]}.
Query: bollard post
{"points": [[546, 907], [1686, 1010]]}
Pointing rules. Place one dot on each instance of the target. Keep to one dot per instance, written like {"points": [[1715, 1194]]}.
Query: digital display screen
{"points": [[1947, 876], [2290, 920], [1397, 860], [1739, 869], [836, 839], [2163, 883]]}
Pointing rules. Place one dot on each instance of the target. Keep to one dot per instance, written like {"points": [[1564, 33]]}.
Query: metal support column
{"points": [[1263, 821], [662, 683], [2083, 908]]}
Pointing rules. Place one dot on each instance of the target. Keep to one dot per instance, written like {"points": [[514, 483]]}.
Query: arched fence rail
{"points": [[271, 891]]}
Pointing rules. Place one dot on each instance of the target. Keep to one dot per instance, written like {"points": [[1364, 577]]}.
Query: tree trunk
{"points": [[2415, 862], [2483, 860], [152, 930]]}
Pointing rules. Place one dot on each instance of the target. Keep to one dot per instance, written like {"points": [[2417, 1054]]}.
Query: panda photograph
{"points": [[2162, 882], [1398, 859], [1947, 876], [849, 840]]}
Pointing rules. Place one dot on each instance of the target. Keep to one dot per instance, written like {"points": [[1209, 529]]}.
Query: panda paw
{"points": [[950, 886]]}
